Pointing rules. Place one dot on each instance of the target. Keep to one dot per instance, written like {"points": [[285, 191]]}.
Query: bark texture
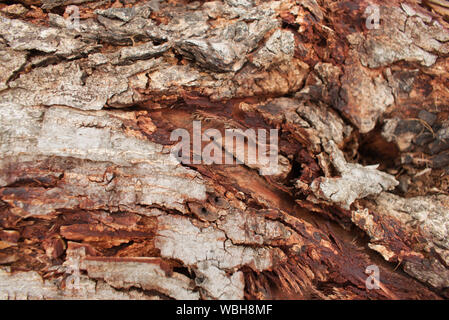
{"points": [[94, 205]]}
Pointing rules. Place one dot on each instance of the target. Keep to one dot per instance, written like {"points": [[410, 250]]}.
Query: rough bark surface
{"points": [[94, 205]]}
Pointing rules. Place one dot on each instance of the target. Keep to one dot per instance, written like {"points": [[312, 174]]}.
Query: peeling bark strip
{"points": [[94, 204]]}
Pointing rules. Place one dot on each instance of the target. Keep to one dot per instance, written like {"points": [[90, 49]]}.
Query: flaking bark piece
{"points": [[356, 181]]}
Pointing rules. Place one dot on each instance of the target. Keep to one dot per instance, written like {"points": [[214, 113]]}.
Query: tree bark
{"points": [[93, 203]]}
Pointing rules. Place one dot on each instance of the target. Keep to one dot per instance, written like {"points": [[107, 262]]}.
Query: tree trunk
{"points": [[94, 203]]}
